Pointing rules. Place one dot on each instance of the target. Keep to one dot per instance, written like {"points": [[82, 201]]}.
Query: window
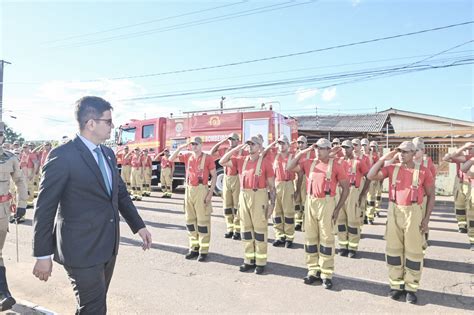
{"points": [[148, 131], [128, 135], [252, 127]]}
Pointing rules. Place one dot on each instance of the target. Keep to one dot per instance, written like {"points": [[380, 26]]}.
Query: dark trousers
{"points": [[90, 286]]}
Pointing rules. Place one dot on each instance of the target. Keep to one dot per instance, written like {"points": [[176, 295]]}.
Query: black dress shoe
{"points": [[229, 234], [191, 255], [259, 270], [462, 230], [236, 236], [371, 222], [246, 267], [327, 284], [311, 279], [202, 257], [298, 227], [472, 247], [395, 294], [411, 298], [7, 301], [343, 252], [278, 242], [351, 253], [289, 244], [365, 221]]}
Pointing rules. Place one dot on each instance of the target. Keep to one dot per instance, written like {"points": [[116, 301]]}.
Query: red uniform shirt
{"points": [[318, 177], [248, 178], [279, 164], [232, 170], [430, 166], [193, 173], [146, 161], [136, 161], [166, 163], [27, 160], [44, 156], [360, 171], [404, 181], [126, 160]]}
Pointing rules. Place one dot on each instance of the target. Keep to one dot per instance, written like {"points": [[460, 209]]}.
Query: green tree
{"points": [[11, 136]]}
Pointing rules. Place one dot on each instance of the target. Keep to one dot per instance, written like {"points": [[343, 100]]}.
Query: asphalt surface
{"points": [[162, 281]]}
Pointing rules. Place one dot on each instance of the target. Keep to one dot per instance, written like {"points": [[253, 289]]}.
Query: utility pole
{"points": [[222, 103], [2, 65]]}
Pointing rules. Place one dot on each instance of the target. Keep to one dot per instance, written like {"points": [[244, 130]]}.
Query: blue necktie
{"points": [[102, 169]]}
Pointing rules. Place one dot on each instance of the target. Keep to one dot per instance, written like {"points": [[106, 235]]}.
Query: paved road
{"points": [[161, 280]]}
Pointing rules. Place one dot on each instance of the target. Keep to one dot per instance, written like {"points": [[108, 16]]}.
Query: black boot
{"points": [[6, 299]]}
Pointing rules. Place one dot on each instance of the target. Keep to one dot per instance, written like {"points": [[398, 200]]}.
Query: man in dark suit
{"points": [[77, 212]]}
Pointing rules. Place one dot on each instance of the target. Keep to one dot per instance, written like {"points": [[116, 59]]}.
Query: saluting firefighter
{"points": [[348, 222], [9, 169], [257, 186], [147, 172], [231, 187], [323, 175], [300, 183], [197, 198], [126, 160], [406, 225], [29, 167], [374, 186], [462, 186], [284, 211], [136, 174], [166, 173]]}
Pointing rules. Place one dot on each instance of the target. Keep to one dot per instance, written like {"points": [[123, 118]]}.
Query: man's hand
{"points": [[208, 198], [334, 216], [388, 156], [146, 238], [424, 226], [43, 268], [335, 150]]}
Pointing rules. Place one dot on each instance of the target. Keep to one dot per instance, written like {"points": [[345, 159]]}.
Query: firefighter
{"points": [[9, 169], [408, 182], [166, 173], [136, 174], [44, 154], [197, 198], [147, 172], [359, 154], [35, 152], [462, 187], [348, 222], [364, 146], [468, 169], [29, 166], [374, 187], [300, 183], [231, 188], [257, 186], [126, 160], [336, 143], [323, 175], [284, 211]]}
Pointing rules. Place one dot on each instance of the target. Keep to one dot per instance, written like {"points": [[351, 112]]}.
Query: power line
{"points": [[146, 22], [237, 63], [214, 19]]}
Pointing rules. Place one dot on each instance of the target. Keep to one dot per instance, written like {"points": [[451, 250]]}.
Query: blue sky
{"points": [[58, 54]]}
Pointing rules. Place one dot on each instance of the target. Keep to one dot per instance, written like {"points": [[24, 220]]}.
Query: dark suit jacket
{"points": [[75, 218]]}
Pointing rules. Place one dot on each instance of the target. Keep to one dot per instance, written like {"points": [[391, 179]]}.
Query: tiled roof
{"points": [[348, 123]]}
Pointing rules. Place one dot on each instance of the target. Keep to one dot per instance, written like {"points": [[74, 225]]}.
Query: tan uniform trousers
{"points": [[461, 193], [378, 193], [319, 237], [363, 203], [470, 217], [284, 212], [372, 199], [348, 221], [28, 172], [300, 202], [4, 215], [230, 195], [147, 171], [404, 247], [166, 180], [253, 207], [198, 218], [126, 174], [136, 181]]}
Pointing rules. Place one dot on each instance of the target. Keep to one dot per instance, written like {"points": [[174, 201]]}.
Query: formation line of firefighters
{"points": [[325, 189]]}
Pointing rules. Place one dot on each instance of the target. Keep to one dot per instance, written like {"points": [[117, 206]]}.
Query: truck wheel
{"points": [[219, 182]]}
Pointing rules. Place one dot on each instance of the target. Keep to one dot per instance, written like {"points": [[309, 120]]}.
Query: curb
{"points": [[26, 307]]}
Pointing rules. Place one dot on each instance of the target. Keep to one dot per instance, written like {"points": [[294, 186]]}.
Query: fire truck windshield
{"points": [[127, 135]]}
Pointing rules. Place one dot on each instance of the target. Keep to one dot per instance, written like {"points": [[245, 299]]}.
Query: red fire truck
{"points": [[211, 125]]}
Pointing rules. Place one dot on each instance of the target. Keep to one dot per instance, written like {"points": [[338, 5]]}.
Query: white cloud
{"points": [[355, 2], [329, 94], [304, 94]]}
